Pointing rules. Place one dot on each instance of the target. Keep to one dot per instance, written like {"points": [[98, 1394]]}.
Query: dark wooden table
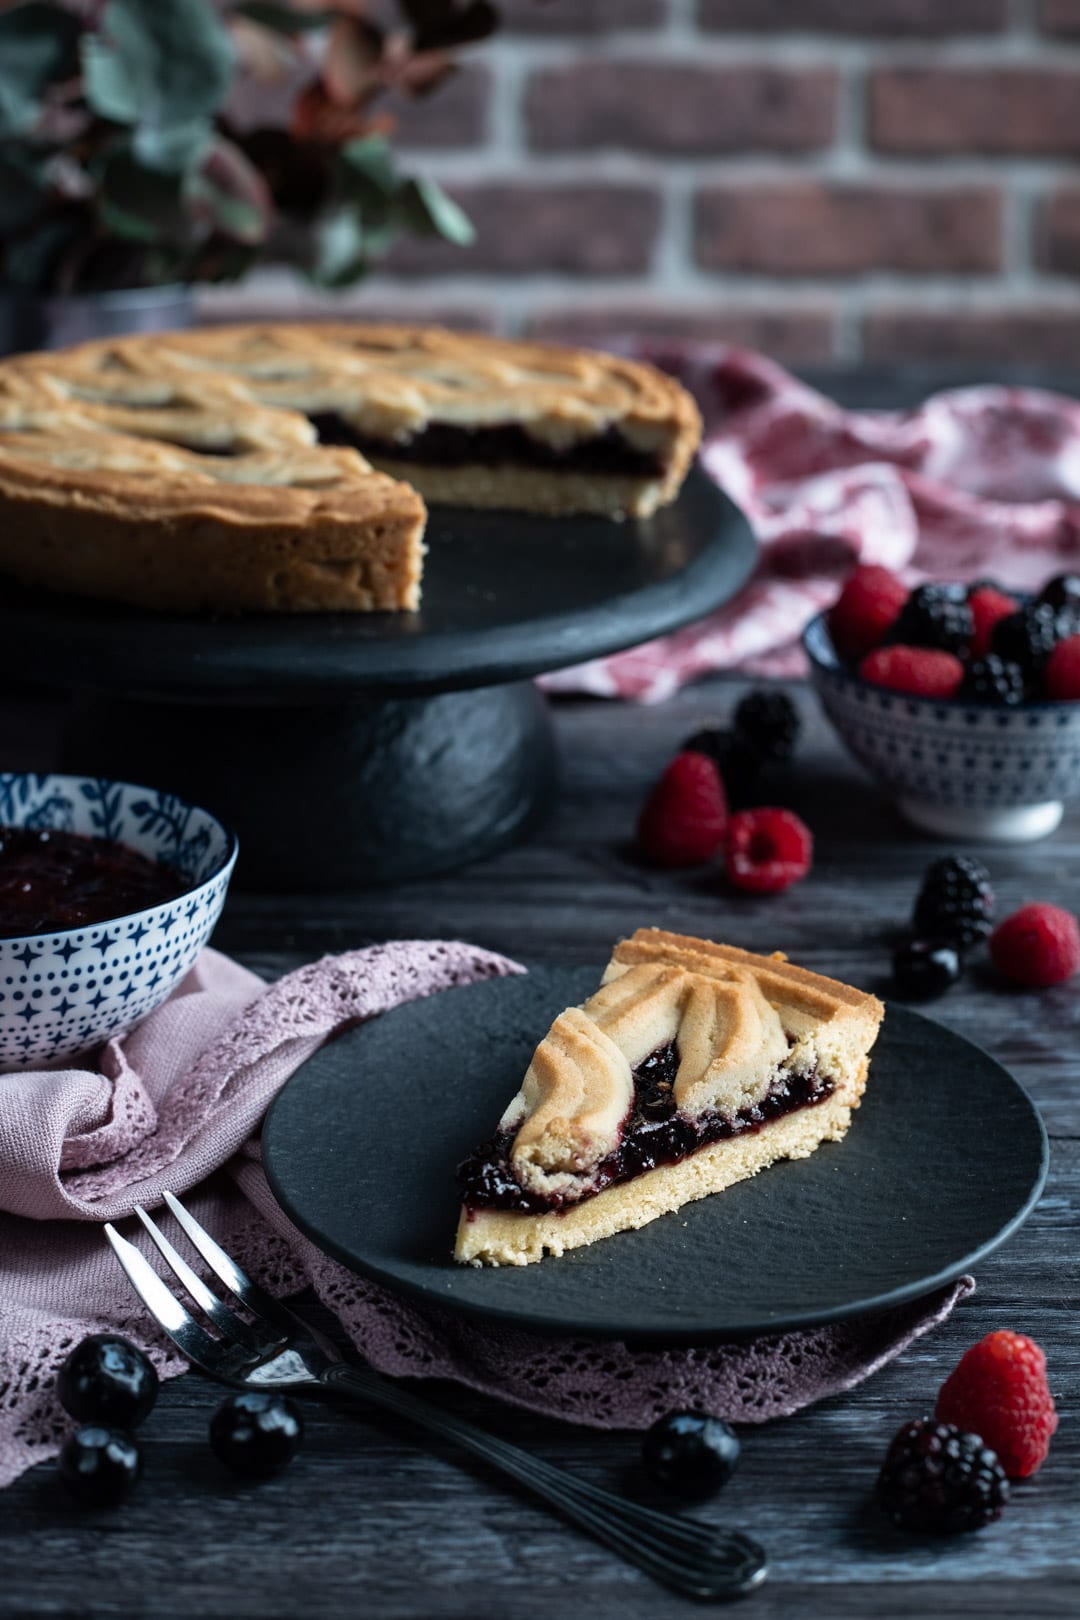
{"points": [[367, 1523]]}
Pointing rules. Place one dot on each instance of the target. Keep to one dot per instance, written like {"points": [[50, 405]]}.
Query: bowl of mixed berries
{"points": [[963, 700]]}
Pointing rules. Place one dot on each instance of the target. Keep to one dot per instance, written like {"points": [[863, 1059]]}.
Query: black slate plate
{"points": [[507, 595], [944, 1160]]}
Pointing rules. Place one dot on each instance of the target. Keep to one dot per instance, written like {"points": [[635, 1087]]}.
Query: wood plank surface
{"points": [[368, 1523]]}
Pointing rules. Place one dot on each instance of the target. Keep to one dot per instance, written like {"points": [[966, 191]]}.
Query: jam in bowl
{"points": [[108, 891], [51, 879]]}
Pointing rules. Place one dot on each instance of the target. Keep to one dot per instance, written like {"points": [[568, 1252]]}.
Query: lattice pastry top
{"points": [[734, 1018], [345, 427]]}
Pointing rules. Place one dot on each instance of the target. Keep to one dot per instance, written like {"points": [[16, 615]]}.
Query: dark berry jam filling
{"points": [[441, 444], [655, 1133], [51, 880]]}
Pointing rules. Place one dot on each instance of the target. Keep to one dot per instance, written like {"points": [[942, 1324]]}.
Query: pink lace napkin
{"points": [[180, 1099], [977, 481]]}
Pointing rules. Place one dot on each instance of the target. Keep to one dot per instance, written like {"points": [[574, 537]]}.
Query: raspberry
{"points": [[987, 607], [935, 616], [992, 680], [685, 816], [1063, 670], [937, 1478], [864, 610], [769, 722], [767, 850], [999, 1390], [1037, 945], [955, 901], [914, 669]]}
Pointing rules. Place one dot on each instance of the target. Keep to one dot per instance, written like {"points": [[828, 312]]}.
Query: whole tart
{"points": [[286, 468], [694, 1066]]}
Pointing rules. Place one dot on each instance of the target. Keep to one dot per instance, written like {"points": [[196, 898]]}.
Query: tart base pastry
{"points": [[693, 1067], [286, 468]]}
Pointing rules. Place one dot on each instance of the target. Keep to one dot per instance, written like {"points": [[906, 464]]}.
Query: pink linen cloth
{"points": [[976, 482], [181, 1098]]}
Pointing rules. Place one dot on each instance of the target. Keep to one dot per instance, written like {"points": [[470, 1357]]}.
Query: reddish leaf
{"points": [[351, 67], [439, 23], [414, 72], [316, 118]]}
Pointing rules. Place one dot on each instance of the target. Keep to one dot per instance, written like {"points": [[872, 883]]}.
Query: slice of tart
{"points": [[693, 1066]]}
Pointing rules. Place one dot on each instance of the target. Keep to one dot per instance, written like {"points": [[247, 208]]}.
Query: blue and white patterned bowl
{"points": [[65, 993], [958, 770]]}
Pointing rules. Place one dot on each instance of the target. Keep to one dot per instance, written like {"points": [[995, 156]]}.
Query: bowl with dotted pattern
{"points": [[64, 993], [955, 769]]}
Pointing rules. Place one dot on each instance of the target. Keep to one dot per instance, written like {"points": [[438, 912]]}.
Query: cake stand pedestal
{"points": [[356, 749]]}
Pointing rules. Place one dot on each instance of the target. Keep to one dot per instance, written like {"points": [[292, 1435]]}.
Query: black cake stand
{"points": [[355, 749]]}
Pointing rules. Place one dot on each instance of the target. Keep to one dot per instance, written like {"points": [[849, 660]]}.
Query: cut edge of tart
{"points": [[694, 1066], [286, 468]]}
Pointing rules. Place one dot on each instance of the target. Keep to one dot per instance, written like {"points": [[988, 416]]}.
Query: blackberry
{"points": [[1062, 593], [935, 616], [1027, 638], [937, 1478], [769, 722], [924, 968], [992, 680], [955, 902], [738, 762]]}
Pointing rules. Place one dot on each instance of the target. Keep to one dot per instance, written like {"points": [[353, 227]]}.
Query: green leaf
{"points": [[370, 159], [230, 194], [38, 46], [173, 148], [164, 67], [365, 180], [341, 250], [423, 207], [283, 19], [24, 191], [140, 203]]}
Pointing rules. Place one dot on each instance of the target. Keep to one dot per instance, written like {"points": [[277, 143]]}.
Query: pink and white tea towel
{"points": [[177, 1104], [977, 481]]}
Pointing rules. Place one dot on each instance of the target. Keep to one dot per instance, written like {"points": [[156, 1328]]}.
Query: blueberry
{"points": [[690, 1453], [924, 968], [256, 1434], [100, 1466], [107, 1380]]}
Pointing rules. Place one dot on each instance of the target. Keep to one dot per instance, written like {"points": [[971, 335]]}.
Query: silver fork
{"points": [[280, 1351]]}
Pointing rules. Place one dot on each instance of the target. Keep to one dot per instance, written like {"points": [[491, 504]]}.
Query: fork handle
{"points": [[695, 1559]]}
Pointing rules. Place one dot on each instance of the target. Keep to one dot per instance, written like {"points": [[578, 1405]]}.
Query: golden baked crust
{"points": [[740, 1023], [183, 471]]}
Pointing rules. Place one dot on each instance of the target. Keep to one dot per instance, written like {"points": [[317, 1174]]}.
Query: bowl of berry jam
{"points": [[963, 700], [108, 891]]}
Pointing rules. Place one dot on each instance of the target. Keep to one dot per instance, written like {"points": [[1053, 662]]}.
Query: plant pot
{"points": [[32, 321]]}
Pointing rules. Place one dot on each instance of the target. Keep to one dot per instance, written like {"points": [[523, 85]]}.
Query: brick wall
{"points": [[822, 178]]}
